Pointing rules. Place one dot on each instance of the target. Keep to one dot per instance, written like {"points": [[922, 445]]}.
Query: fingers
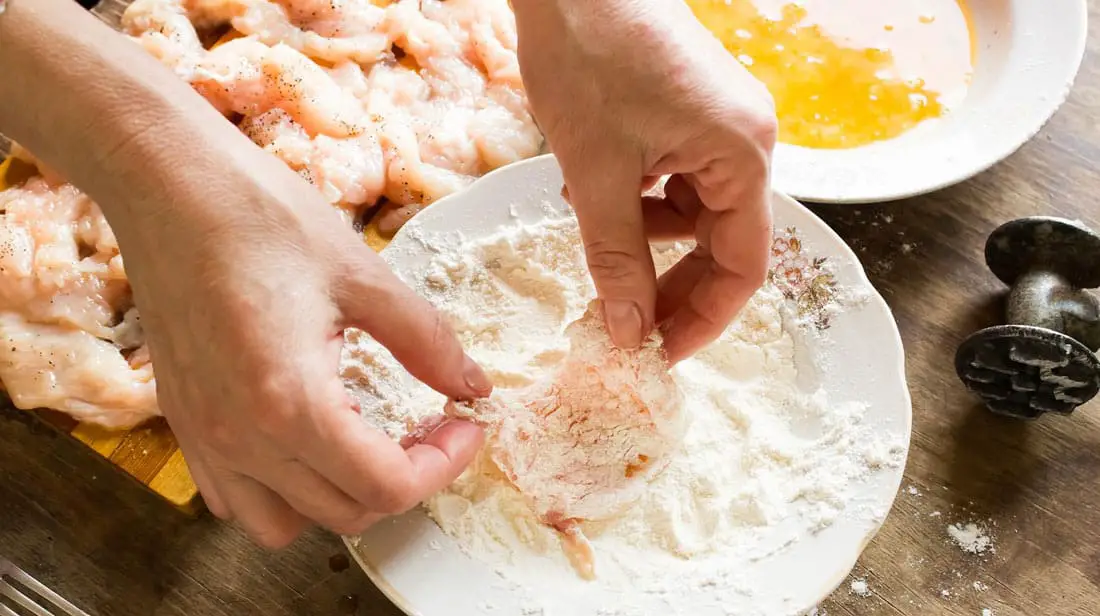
{"points": [[663, 223], [683, 205], [674, 216], [715, 300], [377, 472], [439, 459], [315, 497], [608, 206], [740, 237], [704, 292], [675, 286], [200, 472], [199, 469], [419, 337], [347, 474], [263, 514]]}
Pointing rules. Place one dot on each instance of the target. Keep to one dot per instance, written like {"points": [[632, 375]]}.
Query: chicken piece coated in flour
{"points": [[584, 444]]}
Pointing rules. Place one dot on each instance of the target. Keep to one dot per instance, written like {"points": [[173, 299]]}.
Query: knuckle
{"points": [[765, 130], [351, 524], [758, 125], [757, 276], [221, 436], [397, 496], [442, 335], [278, 401], [217, 509], [276, 537], [610, 264]]}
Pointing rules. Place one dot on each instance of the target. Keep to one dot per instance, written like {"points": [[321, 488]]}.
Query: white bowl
{"points": [[856, 356], [1028, 54]]}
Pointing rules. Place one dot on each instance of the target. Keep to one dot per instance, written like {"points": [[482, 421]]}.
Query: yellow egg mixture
{"points": [[845, 73]]}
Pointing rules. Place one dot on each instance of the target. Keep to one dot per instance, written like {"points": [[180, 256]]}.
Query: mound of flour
{"points": [[764, 462]]}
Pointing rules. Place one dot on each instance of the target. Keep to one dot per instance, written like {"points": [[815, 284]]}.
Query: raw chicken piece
{"points": [[451, 111], [164, 29], [410, 178], [247, 77], [467, 51], [349, 172], [486, 31], [332, 31], [584, 444], [438, 142], [63, 293], [69, 370], [59, 261]]}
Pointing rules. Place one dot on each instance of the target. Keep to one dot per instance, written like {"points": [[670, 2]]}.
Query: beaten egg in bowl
{"points": [[846, 73]]}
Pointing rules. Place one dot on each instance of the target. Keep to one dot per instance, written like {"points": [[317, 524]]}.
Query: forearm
{"points": [[94, 105], [596, 25]]}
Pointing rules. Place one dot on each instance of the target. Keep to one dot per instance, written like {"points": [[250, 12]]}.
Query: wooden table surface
{"points": [[108, 544]]}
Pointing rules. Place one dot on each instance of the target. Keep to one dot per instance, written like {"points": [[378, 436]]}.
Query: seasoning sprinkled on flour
{"points": [[762, 462]]}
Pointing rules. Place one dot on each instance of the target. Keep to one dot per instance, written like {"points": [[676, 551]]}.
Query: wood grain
{"points": [[113, 547]]}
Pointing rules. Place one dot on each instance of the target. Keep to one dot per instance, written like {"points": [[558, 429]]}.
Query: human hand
{"points": [[245, 279], [627, 91]]}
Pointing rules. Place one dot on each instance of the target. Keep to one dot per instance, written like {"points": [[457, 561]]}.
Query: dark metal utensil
{"points": [[20, 590], [1042, 360]]}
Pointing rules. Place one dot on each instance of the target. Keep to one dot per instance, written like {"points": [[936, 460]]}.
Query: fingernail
{"points": [[624, 322], [476, 378]]}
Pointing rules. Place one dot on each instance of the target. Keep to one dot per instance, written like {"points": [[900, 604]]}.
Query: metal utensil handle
{"points": [[10, 573]]}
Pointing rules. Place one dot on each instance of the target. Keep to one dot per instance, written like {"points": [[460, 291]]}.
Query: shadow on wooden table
{"points": [[54, 520], [1007, 464], [974, 474]]}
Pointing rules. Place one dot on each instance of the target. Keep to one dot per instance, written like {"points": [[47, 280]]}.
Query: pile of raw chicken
{"points": [[385, 107]]}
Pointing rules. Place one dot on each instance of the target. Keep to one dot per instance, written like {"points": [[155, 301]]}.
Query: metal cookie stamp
{"points": [[1043, 360]]}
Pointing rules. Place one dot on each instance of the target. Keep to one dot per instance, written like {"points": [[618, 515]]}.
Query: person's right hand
{"points": [[628, 91], [245, 279]]}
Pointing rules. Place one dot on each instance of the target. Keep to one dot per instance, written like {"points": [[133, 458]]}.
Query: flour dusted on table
{"points": [[970, 538], [764, 462]]}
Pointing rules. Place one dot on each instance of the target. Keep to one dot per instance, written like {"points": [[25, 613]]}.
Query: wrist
{"points": [[597, 26], [97, 108]]}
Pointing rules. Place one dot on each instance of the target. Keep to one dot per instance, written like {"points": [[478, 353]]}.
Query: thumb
{"points": [[608, 203], [375, 300]]}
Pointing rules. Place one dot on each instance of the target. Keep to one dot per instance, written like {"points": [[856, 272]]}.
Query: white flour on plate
{"points": [[764, 462]]}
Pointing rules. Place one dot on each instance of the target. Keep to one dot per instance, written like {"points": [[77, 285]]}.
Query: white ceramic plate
{"points": [[858, 356], [1028, 54]]}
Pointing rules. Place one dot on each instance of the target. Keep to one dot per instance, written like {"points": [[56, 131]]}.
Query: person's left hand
{"points": [[630, 90]]}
